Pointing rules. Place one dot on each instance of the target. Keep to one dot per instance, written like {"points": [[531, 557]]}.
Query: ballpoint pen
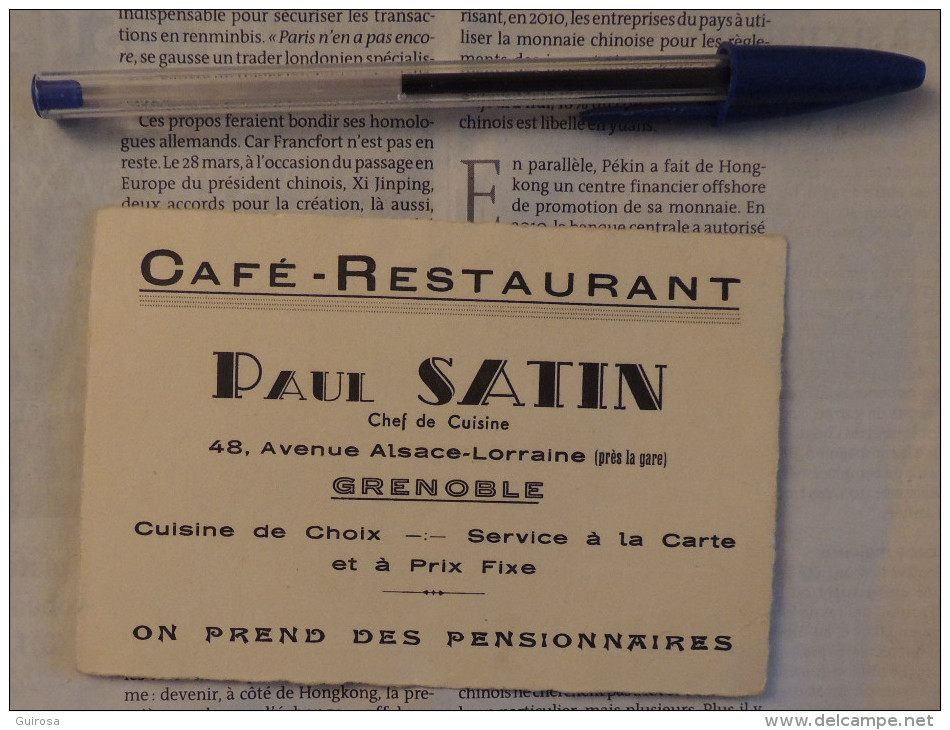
{"points": [[738, 82]]}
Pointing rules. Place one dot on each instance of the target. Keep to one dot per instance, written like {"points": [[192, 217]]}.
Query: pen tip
{"points": [[898, 73]]}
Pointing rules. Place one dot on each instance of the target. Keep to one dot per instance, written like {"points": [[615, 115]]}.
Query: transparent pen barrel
{"points": [[447, 84]]}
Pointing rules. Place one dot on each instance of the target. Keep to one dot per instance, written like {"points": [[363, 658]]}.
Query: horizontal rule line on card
{"points": [[441, 593], [423, 499], [439, 299]]}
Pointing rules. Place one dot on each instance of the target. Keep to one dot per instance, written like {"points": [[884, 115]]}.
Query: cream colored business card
{"points": [[437, 454]]}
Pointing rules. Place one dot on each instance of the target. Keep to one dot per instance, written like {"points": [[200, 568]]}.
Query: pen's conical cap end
{"points": [[771, 80]]}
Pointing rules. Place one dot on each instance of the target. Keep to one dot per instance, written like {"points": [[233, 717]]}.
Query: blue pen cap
{"points": [[769, 81], [66, 94]]}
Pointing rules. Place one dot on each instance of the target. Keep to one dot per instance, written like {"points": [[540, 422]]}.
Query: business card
{"points": [[327, 450]]}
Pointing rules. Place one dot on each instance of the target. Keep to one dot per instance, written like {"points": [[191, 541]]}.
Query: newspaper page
{"points": [[853, 190]]}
